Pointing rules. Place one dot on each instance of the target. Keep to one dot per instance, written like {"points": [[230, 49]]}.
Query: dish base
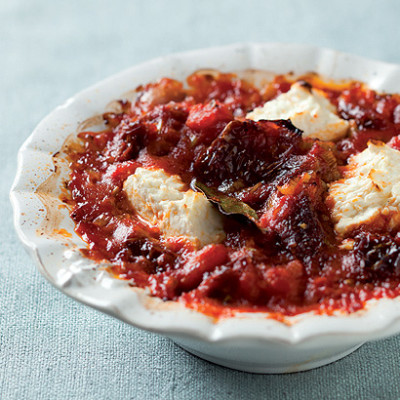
{"points": [[268, 367]]}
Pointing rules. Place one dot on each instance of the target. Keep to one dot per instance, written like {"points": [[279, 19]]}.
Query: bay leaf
{"points": [[227, 205]]}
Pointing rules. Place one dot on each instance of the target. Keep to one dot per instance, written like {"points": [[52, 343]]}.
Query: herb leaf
{"points": [[227, 205]]}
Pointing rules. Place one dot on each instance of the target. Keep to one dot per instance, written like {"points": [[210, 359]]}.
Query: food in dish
{"points": [[162, 201], [308, 109], [231, 197], [370, 190]]}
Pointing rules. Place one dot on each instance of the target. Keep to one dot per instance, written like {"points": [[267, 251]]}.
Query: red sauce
{"points": [[296, 262]]}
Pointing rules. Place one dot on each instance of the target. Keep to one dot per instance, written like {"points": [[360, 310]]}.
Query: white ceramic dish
{"points": [[249, 342]]}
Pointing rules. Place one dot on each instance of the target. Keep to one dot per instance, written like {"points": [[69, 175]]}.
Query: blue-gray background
{"points": [[50, 346]]}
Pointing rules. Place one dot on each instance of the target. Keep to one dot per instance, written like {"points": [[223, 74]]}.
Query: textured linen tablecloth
{"points": [[51, 347]]}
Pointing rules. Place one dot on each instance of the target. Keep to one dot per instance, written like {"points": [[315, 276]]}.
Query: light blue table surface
{"points": [[54, 348]]}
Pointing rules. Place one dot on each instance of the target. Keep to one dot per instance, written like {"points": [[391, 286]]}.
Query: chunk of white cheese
{"points": [[308, 109], [370, 188], [160, 199]]}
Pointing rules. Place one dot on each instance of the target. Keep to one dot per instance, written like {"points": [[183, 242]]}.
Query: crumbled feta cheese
{"points": [[308, 109], [370, 188], [160, 199]]}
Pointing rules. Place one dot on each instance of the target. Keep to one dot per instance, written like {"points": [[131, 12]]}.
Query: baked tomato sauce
{"points": [[292, 260]]}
